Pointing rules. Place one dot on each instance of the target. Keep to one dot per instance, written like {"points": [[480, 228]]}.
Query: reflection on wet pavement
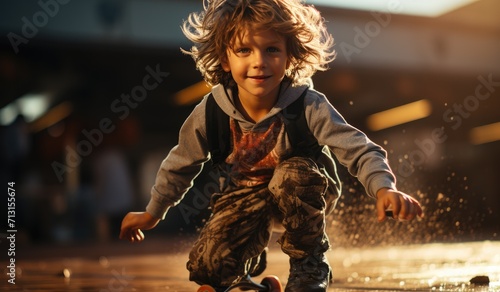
{"points": [[161, 267]]}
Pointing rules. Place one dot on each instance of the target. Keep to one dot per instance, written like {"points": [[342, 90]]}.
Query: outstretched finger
{"points": [[381, 207], [396, 208], [408, 208], [418, 208], [409, 212], [139, 236], [414, 209], [124, 234]]}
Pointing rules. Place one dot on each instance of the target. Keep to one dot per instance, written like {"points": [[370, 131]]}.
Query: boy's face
{"points": [[257, 62]]}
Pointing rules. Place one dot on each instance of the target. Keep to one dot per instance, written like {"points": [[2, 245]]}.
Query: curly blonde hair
{"points": [[213, 31]]}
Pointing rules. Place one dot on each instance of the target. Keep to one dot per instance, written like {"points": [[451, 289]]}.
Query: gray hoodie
{"points": [[364, 159]]}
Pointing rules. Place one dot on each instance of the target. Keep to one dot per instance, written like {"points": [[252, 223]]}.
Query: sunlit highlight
{"points": [[399, 115], [485, 134], [191, 94], [428, 8], [53, 116]]}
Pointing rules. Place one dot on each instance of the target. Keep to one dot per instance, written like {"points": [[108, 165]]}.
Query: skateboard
{"points": [[268, 284]]}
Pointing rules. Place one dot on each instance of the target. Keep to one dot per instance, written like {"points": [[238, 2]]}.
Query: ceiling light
{"points": [[30, 106]]}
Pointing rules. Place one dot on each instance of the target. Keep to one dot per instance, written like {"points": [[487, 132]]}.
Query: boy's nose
{"points": [[258, 60]]}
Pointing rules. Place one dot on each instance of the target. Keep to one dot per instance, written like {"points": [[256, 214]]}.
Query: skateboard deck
{"points": [[268, 284]]}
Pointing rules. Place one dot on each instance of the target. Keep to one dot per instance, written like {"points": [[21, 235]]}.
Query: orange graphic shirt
{"points": [[254, 156]]}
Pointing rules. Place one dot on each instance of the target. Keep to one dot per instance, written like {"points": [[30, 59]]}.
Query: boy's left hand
{"points": [[403, 206]]}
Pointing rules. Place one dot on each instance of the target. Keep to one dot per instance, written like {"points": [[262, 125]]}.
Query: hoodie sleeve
{"points": [[182, 165], [364, 159]]}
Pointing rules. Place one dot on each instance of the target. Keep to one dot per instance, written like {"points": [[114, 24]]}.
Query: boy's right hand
{"points": [[134, 222]]}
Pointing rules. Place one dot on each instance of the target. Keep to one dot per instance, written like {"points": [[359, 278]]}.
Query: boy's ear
{"points": [[225, 63]]}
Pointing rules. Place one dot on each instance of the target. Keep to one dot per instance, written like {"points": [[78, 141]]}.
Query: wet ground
{"points": [[159, 265]]}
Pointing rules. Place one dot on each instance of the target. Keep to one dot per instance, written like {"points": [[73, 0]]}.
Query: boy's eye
{"points": [[243, 50], [273, 50]]}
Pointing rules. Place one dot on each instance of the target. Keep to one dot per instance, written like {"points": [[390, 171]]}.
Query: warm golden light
{"points": [[410, 7], [191, 94], [399, 115], [52, 117], [485, 134]]}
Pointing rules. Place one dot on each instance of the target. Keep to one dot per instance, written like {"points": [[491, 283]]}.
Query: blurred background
{"points": [[93, 93]]}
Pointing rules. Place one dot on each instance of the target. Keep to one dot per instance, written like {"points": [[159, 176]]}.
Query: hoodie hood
{"points": [[287, 95]]}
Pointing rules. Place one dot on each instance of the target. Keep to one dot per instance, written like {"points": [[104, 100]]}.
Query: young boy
{"points": [[259, 56]]}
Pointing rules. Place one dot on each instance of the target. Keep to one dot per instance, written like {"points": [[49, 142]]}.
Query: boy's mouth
{"points": [[259, 77]]}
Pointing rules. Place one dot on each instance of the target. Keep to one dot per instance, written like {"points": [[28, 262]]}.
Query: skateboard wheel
{"points": [[206, 288], [273, 284]]}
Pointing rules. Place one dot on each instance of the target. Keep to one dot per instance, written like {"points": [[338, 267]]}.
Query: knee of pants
{"points": [[300, 177], [213, 270], [297, 171], [203, 269]]}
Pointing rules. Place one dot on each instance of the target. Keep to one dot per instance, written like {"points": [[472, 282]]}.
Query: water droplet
{"points": [[347, 263], [356, 258], [103, 261], [66, 273]]}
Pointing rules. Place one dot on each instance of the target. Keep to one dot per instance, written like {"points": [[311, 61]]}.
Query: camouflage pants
{"points": [[242, 222]]}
